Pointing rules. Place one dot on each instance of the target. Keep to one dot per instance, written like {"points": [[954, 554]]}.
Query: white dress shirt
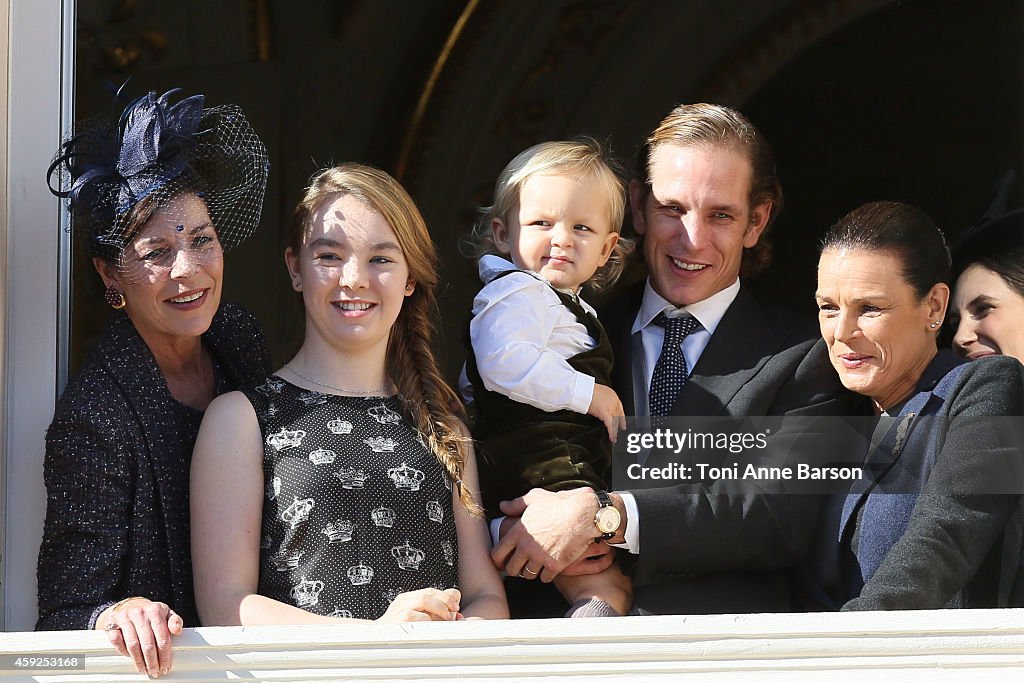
{"points": [[709, 314], [522, 336]]}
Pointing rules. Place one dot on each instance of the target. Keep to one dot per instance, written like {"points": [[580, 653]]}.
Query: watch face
{"points": [[607, 520]]}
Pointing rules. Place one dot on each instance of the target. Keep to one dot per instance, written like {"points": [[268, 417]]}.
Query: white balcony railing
{"points": [[906, 646]]}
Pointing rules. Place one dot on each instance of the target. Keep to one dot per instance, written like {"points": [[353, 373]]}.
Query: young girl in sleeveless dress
{"points": [[344, 487]]}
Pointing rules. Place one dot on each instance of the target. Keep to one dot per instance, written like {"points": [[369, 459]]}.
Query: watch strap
{"points": [[603, 501]]}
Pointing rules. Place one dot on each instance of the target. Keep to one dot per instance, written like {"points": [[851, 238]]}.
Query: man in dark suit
{"points": [[707, 193]]}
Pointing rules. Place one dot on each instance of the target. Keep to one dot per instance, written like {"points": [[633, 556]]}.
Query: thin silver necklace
{"points": [[383, 390]]}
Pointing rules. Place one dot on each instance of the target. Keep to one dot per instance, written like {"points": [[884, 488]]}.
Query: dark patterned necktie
{"points": [[670, 371]]}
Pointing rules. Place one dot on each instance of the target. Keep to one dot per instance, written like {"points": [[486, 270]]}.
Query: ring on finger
{"points": [[526, 568], [112, 626]]}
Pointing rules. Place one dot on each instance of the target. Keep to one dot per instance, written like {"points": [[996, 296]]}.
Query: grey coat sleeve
{"points": [[958, 519]]}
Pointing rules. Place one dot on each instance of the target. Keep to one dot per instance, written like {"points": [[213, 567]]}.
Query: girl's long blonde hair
{"points": [[428, 401]]}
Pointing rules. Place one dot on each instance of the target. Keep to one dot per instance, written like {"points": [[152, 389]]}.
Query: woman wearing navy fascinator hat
{"points": [[158, 195]]}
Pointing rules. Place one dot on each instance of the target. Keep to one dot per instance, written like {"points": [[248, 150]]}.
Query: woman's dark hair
{"points": [[998, 245], [135, 219], [902, 230]]}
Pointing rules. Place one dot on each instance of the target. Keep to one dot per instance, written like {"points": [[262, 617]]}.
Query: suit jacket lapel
{"points": [[895, 435], [240, 357], [877, 461], [618, 318], [742, 343], [133, 366]]}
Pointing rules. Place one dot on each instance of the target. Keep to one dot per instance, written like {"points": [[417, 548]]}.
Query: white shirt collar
{"points": [[708, 312], [491, 266]]}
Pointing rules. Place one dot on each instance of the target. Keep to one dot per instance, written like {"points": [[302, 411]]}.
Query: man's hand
{"points": [[554, 530], [606, 407], [598, 557]]}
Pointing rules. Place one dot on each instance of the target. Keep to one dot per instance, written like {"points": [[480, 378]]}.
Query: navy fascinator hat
{"points": [[155, 150]]}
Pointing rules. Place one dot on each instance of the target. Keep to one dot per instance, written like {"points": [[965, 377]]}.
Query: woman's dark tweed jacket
{"points": [[117, 475]]}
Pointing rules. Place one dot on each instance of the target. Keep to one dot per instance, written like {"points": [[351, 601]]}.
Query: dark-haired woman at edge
{"points": [[927, 530]]}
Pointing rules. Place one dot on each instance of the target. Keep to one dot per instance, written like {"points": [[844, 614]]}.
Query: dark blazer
{"points": [[946, 546], [117, 475], [714, 549]]}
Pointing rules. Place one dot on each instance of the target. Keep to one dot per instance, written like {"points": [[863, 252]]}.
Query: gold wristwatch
{"points": [[607, 519]]}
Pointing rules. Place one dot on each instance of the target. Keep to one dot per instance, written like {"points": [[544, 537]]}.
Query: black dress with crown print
{"points": [[356, 510]]}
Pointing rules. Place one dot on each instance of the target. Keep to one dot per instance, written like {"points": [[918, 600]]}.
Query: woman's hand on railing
{"points": [[426, 604], [141, 629]]}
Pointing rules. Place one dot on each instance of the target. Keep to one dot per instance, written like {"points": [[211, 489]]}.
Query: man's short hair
{"points": [[713, 125]]}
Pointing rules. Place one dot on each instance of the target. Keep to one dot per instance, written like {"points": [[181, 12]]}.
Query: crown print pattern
{"points": [[271, 387], [356, 510]]}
